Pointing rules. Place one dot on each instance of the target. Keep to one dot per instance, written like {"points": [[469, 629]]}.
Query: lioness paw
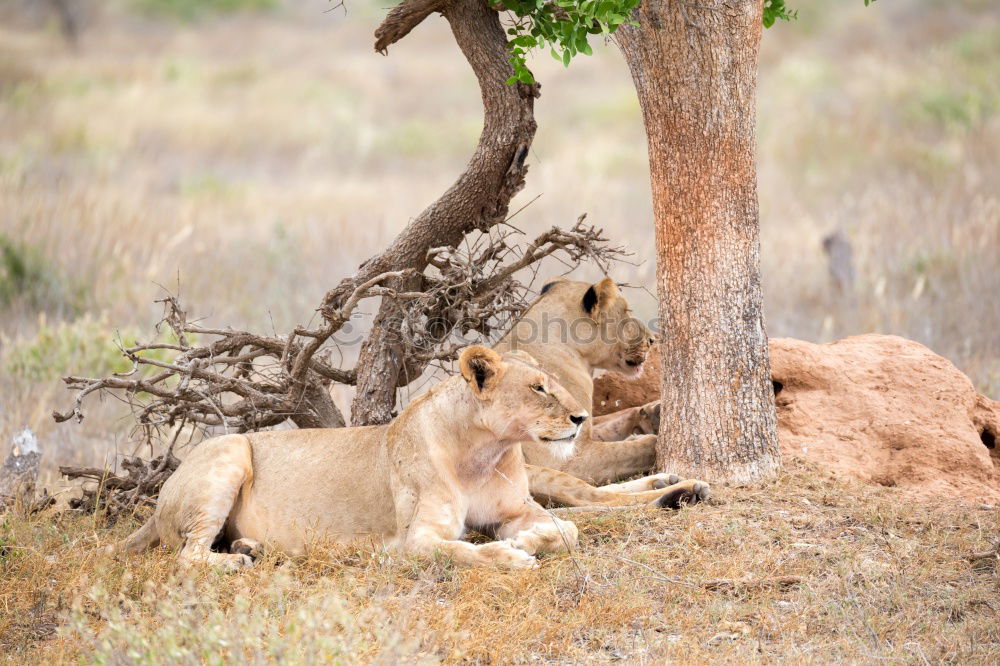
{"points": [[521, 560], [691, 491], [559, 536], [238, 561], [249, 547], [664, 480], [505, 554], [225, 561]]}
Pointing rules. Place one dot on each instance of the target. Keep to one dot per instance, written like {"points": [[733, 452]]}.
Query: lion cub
{"points": [[450, 461]]}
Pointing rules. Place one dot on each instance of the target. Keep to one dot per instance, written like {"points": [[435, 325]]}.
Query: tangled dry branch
{"points": [[220, 379], [121, 494]]}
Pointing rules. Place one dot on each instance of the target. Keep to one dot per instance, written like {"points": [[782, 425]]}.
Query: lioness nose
{"points": [[577, 419]]}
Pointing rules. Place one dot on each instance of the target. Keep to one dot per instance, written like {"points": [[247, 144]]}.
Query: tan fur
{"points": [[614, 393], [452, 460], [662, 490], [571, 342], [625, 423]]}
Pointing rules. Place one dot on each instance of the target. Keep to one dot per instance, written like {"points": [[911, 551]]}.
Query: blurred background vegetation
{"points": [[250, 153]]}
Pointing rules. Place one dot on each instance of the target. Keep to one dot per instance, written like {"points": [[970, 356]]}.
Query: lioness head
{"points": [[597, 321], [520, 401]]}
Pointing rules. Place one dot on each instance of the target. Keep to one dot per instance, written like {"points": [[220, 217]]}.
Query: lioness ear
{"points": [[482, 368], [599, 296], [551, 283]]}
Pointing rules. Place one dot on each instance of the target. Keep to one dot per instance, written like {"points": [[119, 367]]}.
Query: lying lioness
{"points": [[450, 461], [573, 329]]}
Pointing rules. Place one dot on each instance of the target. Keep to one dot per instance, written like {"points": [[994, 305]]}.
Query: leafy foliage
{"points": [[776, 9], [564, 26]]}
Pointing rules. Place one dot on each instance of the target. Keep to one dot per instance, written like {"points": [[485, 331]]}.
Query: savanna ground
{"points": [[808, 569], [254, 158]]}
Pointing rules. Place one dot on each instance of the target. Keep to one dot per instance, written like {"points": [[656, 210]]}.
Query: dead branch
{"points": [[217, 378], [243, 382], [121, 494], [751, 583], [986, 555], [271, 375], [474, 288], [719, 584], [403, 18]]}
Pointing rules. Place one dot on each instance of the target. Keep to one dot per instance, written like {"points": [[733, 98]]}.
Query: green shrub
{"points": [[27, 276], [22, 270], [85, 346]]}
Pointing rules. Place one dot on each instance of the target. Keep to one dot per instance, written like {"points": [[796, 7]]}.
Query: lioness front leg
{"points": [[652, 482], [619, 425], [562, 488], [436, 526], [628, 422]]}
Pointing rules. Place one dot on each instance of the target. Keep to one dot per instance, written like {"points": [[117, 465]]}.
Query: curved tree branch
{"points": [[403, 18], [478, 200]]}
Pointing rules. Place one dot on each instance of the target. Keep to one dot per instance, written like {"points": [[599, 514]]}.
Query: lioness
{"points": [[572, 329], [450, 461]]}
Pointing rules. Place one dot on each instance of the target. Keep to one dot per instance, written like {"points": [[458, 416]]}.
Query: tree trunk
{"points": [[695, 71], [479, 199]]}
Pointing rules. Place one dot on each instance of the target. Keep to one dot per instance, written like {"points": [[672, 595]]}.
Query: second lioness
{"points": [[572, 329]]}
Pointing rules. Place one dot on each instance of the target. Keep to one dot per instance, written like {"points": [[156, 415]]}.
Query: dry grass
{"points": [[880, 578], [256, 158]]}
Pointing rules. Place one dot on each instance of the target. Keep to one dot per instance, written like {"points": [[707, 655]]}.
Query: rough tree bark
{"points": [[479, 199], [694, 66]]}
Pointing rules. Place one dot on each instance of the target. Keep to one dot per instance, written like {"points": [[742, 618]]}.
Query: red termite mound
{"points": [[876, 407]]}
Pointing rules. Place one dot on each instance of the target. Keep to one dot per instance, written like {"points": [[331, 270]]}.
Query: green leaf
{"points": [[537, 25], [775, 10]]}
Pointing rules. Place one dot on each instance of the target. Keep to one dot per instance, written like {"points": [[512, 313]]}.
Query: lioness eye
{"points": [[539, 388]]}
